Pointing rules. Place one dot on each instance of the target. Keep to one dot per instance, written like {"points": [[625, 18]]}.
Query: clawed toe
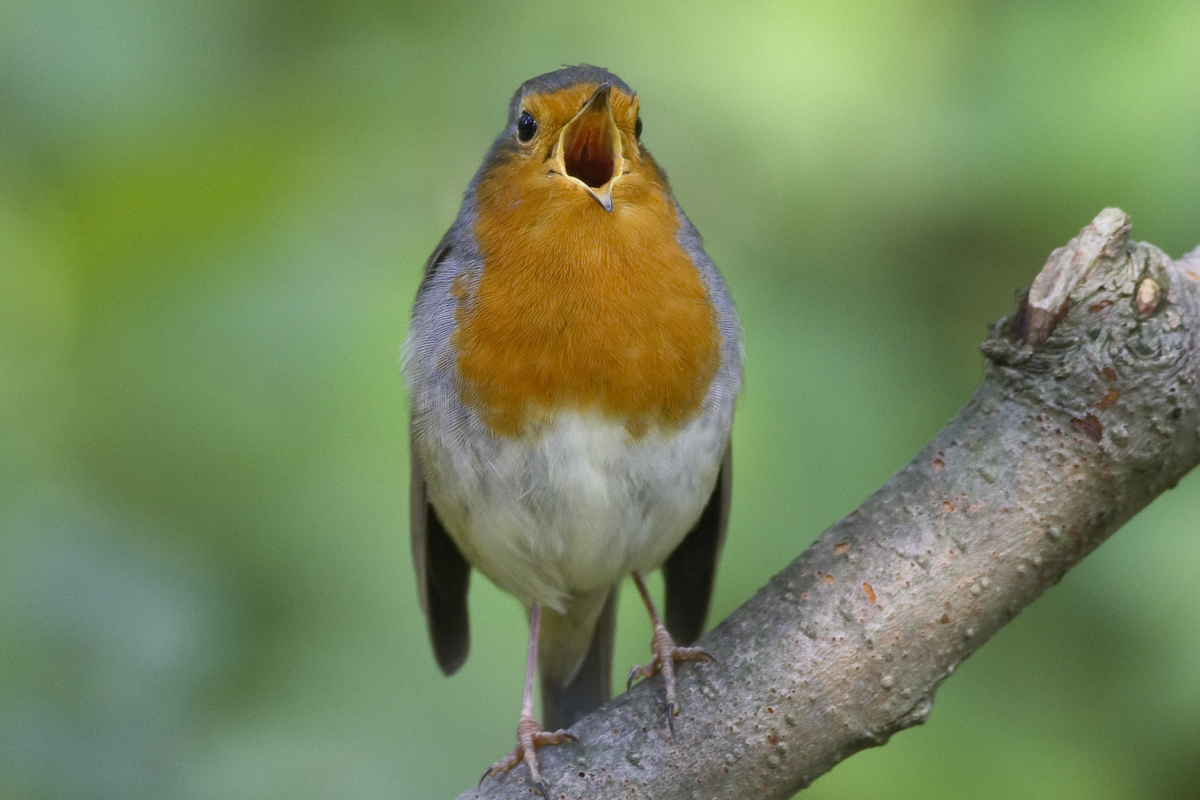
{"points": [[695, 654], [639, 671], [666, 655], [530, 736], [570, 737]]}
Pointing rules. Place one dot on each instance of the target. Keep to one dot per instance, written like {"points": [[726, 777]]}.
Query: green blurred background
{"points": [[213, 217]]}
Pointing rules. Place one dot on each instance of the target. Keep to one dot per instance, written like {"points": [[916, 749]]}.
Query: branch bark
{"points": [[1088, 409]]}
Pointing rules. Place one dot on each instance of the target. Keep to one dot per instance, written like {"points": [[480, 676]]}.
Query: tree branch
{"points": [[1088, 409]]}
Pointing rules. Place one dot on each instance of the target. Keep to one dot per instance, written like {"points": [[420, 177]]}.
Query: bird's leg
{"points": [[665, 655], [529, 733]]}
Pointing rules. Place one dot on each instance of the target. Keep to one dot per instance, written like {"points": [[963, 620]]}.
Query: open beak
{"points": [[589, 148]]}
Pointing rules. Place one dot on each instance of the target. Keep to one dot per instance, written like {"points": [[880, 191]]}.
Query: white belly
{"points": [[576, 509]]}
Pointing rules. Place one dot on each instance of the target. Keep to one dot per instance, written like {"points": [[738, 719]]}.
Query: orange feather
{"points": [[611, 318]]}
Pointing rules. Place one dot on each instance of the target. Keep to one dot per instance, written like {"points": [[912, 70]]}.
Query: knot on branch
{"points": [[1099, 282], [1113, 323], [1101, 246]]}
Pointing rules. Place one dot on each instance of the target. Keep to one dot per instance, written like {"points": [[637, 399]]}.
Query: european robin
{"points": [[573, 362]]}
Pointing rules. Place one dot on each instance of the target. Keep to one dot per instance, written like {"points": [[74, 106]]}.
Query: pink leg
{"points": [[530, 735], [665, 655]]}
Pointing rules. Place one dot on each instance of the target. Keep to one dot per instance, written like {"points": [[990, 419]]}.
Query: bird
{"points": [[573, 360]]}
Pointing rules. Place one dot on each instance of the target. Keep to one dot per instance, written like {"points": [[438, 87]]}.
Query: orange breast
{"points": [[580, 309]]}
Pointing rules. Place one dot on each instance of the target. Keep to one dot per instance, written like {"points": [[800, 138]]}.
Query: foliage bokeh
{"points": [[213, 217]]}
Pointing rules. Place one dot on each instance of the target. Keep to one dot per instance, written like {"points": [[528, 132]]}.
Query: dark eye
{"points": [[637, 128], [526, 126]]}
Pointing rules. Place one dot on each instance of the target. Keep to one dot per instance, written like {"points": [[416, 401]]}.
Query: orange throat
{"points": [[579, 309]]}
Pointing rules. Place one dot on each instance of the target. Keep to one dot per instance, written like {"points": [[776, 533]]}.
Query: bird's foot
{"points": [[530, 736], [666, 653]]}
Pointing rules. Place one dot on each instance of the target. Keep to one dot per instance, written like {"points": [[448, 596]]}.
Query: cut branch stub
{"points": [[1121, 356], [1089, 407], [1049, 298]]}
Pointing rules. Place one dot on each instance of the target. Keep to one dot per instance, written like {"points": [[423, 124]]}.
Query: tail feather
{"points": [[591, 686]]}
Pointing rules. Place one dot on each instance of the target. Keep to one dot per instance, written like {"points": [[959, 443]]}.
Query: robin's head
{"points": [[574, 136]]}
